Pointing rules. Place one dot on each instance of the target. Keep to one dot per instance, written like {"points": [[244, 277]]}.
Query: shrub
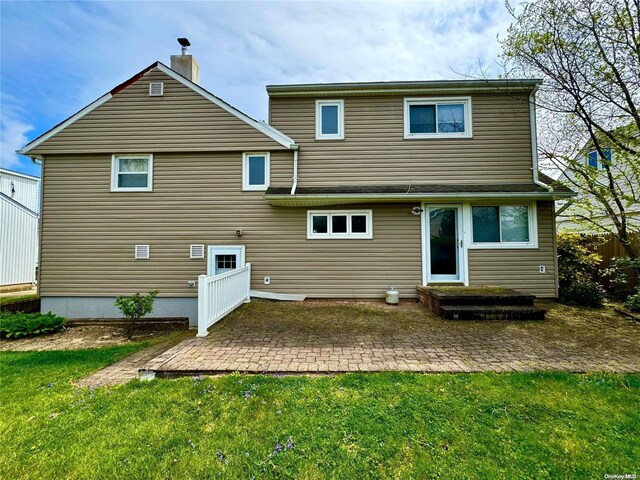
{"points": [[137, 305], [620, 275], [633, 301], [584, 293], [16, 325], [577, 259]]}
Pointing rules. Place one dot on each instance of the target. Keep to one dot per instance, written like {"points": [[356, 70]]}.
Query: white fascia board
{"points": [[412, 196], [262, 127], [43, 138], [18, 174]]}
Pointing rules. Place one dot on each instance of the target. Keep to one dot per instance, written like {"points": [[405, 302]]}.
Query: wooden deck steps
{"points": [[480, 303]]}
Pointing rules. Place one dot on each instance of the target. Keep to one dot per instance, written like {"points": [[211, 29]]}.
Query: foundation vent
{"points": [[196, 251]]}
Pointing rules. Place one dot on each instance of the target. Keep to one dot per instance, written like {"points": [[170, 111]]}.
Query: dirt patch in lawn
{"points": [[81, 337]]}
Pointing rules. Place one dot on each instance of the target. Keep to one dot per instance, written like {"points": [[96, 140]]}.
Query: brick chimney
{"points": [[185, 64]]}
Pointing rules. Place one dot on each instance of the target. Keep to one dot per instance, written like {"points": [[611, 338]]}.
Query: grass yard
{"points": [[346, 426], [6, 298]]}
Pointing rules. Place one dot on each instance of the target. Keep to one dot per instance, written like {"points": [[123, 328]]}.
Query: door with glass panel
{"points": [[225, 258], [444, 243]]}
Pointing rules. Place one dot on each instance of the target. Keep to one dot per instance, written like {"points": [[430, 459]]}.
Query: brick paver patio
{"points": [[126, 369], [347, 337]]}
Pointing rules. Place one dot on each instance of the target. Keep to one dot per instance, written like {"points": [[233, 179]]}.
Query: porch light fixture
{"points": [[416, 211]]}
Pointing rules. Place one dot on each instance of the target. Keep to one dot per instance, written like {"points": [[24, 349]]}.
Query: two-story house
{"points": [[349, 189]]}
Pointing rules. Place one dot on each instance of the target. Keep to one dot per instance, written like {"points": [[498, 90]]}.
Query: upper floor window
{"points": [[594, 160], [503, 225], [339, 224], [132, 173], [437, 117], [329, 119], [255, 171]]}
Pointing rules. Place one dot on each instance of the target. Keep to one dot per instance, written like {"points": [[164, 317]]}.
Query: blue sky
{"points": [[59, 56]]}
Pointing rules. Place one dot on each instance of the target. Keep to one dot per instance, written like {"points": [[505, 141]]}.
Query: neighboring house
{"points": [[567, 210], [19, 201], [350, 189]]}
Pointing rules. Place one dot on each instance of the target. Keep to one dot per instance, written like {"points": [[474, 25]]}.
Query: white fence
{"points": [[219, 295]]}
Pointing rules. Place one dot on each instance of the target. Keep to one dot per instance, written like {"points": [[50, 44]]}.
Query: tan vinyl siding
{"points": [[374, 150], [180, 120], [518, 268], [89, 233]]}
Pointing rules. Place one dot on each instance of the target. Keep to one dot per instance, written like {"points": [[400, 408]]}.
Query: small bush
{"points": [[16, 325], [633, 301], [577, 259], [584, 293], [137, 305]]}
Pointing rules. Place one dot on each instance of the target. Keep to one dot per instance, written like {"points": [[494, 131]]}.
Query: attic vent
{"points": [[141, 252], [196, 251], [156, 89]]}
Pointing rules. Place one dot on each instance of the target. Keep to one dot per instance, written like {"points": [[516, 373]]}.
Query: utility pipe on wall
{"points": [[294, 185], [534, 140]]}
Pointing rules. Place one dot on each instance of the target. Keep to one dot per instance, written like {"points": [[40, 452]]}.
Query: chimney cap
{"points": [[184, 42]]}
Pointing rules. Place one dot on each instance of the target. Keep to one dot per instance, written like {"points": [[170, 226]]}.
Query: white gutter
{"points": [[294, 185], [534, 140]]}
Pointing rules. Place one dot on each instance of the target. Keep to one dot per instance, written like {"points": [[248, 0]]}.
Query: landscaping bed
{"points": [[83, 337]]}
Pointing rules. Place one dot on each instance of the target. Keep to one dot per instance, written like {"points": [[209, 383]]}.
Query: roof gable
{"points": [[185, 118]]}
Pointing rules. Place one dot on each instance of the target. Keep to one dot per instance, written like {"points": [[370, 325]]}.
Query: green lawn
{"points": [[345, 426], [17, 298]]}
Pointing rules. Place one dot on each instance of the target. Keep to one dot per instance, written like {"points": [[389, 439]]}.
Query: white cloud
{"points": [[13, 133], [84, 49]]}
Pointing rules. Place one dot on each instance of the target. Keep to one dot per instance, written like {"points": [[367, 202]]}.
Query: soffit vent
{"points": [[156, 89], [196, 251], [141, 252]]}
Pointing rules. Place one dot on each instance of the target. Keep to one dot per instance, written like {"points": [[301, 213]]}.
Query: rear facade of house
{"points": [[348, 190]]}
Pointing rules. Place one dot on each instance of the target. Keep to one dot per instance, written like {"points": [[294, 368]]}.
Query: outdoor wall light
{"points": [[416, 211]]}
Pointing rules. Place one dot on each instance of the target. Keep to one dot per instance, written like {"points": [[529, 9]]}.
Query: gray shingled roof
{"points": [[427, 189]]}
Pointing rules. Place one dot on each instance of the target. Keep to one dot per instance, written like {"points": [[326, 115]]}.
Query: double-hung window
{"points": [[255, 171], [504, 226], [329, 119], [437, 117], [594, 160], [339, 224], [132, 173]]}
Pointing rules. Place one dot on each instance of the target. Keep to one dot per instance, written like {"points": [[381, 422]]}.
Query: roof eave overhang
{"points": [[342, 199], [403, 88], [263, 127]]}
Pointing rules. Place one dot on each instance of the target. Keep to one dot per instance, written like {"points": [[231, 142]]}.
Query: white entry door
{"points": [[223, 258], [444, 252]]}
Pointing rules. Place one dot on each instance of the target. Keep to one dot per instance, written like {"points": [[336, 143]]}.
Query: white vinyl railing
{"points": [[219, 295]]}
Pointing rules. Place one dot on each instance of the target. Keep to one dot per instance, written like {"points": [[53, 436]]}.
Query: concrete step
{"points": [[491, 312]]}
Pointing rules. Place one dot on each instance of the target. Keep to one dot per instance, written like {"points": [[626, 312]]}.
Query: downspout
{"points": [[534, 140], [294, 185], [40, 210]]}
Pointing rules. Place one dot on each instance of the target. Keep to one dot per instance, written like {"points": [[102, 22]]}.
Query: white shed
{"points": [[19, 204]]}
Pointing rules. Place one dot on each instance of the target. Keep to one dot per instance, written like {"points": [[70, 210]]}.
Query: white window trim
{"points": [[331, 136], [600, 165], [114, 173], [245, 171], [533, 227], [466, 101], [335, 236], [213, 250]]}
